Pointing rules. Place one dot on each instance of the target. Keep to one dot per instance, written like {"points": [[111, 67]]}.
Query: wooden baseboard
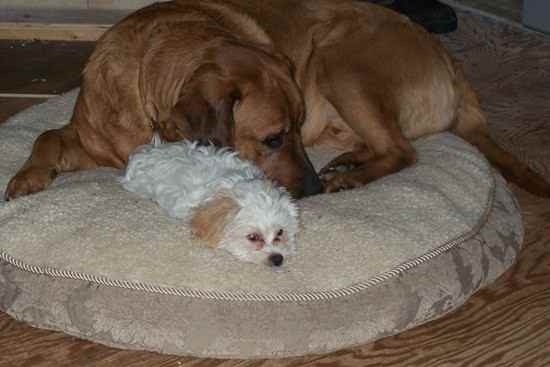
{"points": [[75, 4], [57, 24], [52, 32], [27, 95]]}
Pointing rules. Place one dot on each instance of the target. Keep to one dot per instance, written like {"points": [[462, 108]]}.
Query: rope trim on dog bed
{"points": [[252, 297]]}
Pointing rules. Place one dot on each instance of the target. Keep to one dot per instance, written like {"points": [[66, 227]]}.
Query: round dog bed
{"points": [[90, 259]]}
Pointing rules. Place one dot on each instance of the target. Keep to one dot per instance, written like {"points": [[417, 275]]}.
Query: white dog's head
{"points": [[255, 221]]}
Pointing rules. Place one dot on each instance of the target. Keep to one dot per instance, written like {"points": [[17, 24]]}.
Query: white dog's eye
{"points": [[253, 237], [278, 235], [256, 239]]}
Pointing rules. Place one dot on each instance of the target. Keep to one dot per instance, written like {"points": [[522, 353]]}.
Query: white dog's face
{"points": [[257, 228], [267, 245]]}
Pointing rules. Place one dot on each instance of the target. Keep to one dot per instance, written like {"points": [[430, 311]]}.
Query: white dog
{"points": [[227, 201]]}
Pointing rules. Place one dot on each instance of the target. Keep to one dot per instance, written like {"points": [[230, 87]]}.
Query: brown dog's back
{"points": [[217, 70]]}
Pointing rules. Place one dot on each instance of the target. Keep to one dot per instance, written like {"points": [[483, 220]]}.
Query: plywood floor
{"points": [[505, 324], [509, 9]]}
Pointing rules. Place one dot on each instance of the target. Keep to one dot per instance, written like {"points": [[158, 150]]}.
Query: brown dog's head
{"points": [[245, 97]]}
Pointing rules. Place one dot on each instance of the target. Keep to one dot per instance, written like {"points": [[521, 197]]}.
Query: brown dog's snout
{"points": [[312, 184], [304, 182], [294, 171]]}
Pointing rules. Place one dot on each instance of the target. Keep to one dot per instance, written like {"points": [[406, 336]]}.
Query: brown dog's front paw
{"points": [[28, 181], [343, 163], [338, 174], [340, 181]]}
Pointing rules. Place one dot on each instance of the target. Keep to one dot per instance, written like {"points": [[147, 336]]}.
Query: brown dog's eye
{"points": [[274, 141]]}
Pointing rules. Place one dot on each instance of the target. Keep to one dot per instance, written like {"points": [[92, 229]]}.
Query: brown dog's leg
{"points": [[371, 117], [471, 125], [54, 151]]}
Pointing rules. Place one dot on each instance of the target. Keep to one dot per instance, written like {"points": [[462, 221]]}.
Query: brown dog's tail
{"points": [[510, 167], [471, 125]]}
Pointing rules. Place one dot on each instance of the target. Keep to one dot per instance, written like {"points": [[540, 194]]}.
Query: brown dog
{"points": [[214, 70]]}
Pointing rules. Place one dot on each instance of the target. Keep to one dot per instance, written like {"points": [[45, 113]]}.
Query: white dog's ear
{"points": [[209, 220]]}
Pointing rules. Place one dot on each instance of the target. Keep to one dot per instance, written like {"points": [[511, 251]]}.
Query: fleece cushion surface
{"points": [[93, 260]]}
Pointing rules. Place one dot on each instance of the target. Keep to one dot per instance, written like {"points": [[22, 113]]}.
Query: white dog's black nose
{"points": [[276, 259]]}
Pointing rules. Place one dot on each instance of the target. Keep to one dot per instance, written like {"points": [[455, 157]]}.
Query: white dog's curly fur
{"points": [[228, 201]]}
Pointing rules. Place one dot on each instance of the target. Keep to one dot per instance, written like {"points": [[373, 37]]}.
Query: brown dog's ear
{"points": [[248, 61], [209, 220], [278, 67], [286, 80], [211, 120], [204, 111]]}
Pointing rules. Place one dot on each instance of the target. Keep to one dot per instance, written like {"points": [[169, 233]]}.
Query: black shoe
{"points": [[436, 17]]}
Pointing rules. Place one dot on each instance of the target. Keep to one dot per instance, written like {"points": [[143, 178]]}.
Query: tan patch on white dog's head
{"points": [[209, 220]]}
